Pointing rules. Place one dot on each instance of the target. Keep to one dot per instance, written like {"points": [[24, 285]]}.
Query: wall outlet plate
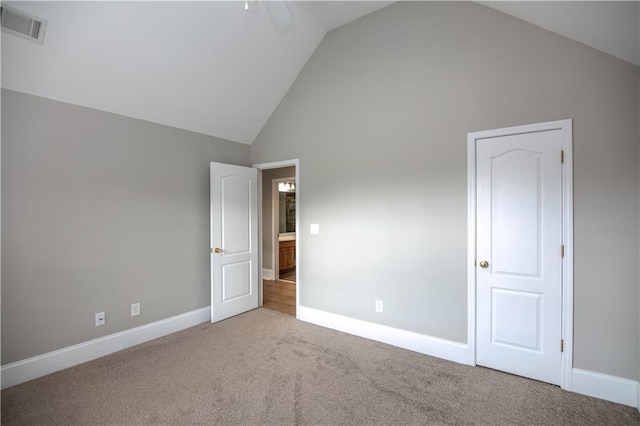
{"points": [[379, 306], [100, 319]]}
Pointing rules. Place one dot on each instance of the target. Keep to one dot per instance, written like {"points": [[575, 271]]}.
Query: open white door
{"points": [[234, 240]]}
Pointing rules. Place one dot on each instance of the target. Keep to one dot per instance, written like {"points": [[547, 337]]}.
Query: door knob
{"points": [[217, 250], [484, 264]]}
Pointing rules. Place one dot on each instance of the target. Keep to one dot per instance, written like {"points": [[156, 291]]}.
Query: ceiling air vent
{"points": [[23, 24]]}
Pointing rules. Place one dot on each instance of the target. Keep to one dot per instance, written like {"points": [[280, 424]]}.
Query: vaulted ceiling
{"points": [[214, 68]]}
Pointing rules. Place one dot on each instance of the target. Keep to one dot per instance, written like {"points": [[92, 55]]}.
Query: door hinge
{"points": [[562, 251], [562, 156], [562, 345]]}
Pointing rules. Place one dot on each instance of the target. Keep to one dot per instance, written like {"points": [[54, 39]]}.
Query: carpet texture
{"points": [[264, 367]]}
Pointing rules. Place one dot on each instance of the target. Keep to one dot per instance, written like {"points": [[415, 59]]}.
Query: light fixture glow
{"points": [[286, 186], [246, 5]]}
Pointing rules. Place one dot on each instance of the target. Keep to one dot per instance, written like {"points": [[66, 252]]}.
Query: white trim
{"points": [[433, 346], [471, 250], [598, 385], [565, 126], [603, 386], [41, 365], [267, 274], [277, 165], [260, 251]]}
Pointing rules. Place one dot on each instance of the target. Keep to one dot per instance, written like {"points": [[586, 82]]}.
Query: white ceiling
{"points": [[212, 67], [610, 26]]}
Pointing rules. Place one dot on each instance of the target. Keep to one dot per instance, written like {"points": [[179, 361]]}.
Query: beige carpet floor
{"points": [[265, 367]]}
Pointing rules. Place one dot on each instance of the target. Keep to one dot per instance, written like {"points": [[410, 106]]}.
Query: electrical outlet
{"points": [[135, 309], [379, 307], [100, 319]]}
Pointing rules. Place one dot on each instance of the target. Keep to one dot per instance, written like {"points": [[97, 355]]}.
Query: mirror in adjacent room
{"points": [[286, 230], [287, 207]]}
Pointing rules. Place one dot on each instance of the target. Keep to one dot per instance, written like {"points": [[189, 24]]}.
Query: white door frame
{"points": [[565, 127], [278, 165], [275, 224]]}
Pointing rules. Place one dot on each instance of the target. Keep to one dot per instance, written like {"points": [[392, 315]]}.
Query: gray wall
{"points": [[379, 118], [99, 211], [267, 226]]}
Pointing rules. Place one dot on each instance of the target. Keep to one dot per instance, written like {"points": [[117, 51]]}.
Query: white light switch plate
{"points": [[315, 229], [135, 309]]}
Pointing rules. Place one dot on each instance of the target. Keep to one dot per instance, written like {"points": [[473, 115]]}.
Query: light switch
{"points": [[315, 229]]}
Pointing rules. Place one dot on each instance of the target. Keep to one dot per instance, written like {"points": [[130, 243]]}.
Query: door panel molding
{"points": [[565, 128], [234, 240]]}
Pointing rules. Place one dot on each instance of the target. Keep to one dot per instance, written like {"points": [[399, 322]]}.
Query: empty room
{"points": [[320, 212]]}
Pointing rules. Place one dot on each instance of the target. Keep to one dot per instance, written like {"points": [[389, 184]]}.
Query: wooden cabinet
{"points": [[287, 255]]}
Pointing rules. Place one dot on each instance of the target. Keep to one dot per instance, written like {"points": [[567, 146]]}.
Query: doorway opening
{"points": [[283, 203], [279, 236]]}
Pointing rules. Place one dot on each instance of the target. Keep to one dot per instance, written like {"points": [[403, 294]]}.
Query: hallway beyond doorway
{"points": [[280, 296], [289, 275]]}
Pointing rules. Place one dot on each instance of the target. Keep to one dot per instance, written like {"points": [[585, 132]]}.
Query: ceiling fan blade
{"points": [[280, 13]]}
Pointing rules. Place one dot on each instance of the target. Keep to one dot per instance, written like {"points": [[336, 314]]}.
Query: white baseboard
{"points": [[433, 346], [598, 385], [267, 274], [603, 386], [41, 365]]}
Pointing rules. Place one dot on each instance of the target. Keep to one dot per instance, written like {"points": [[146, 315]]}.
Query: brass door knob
{"points": [[484, 264], [217, 250]]}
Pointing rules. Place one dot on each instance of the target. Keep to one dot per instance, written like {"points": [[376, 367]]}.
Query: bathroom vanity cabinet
{"points": [[287, 255]]}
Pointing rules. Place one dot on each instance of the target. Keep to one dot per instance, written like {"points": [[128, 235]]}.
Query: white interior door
{"points": [[234, 240], [519, 254]]}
